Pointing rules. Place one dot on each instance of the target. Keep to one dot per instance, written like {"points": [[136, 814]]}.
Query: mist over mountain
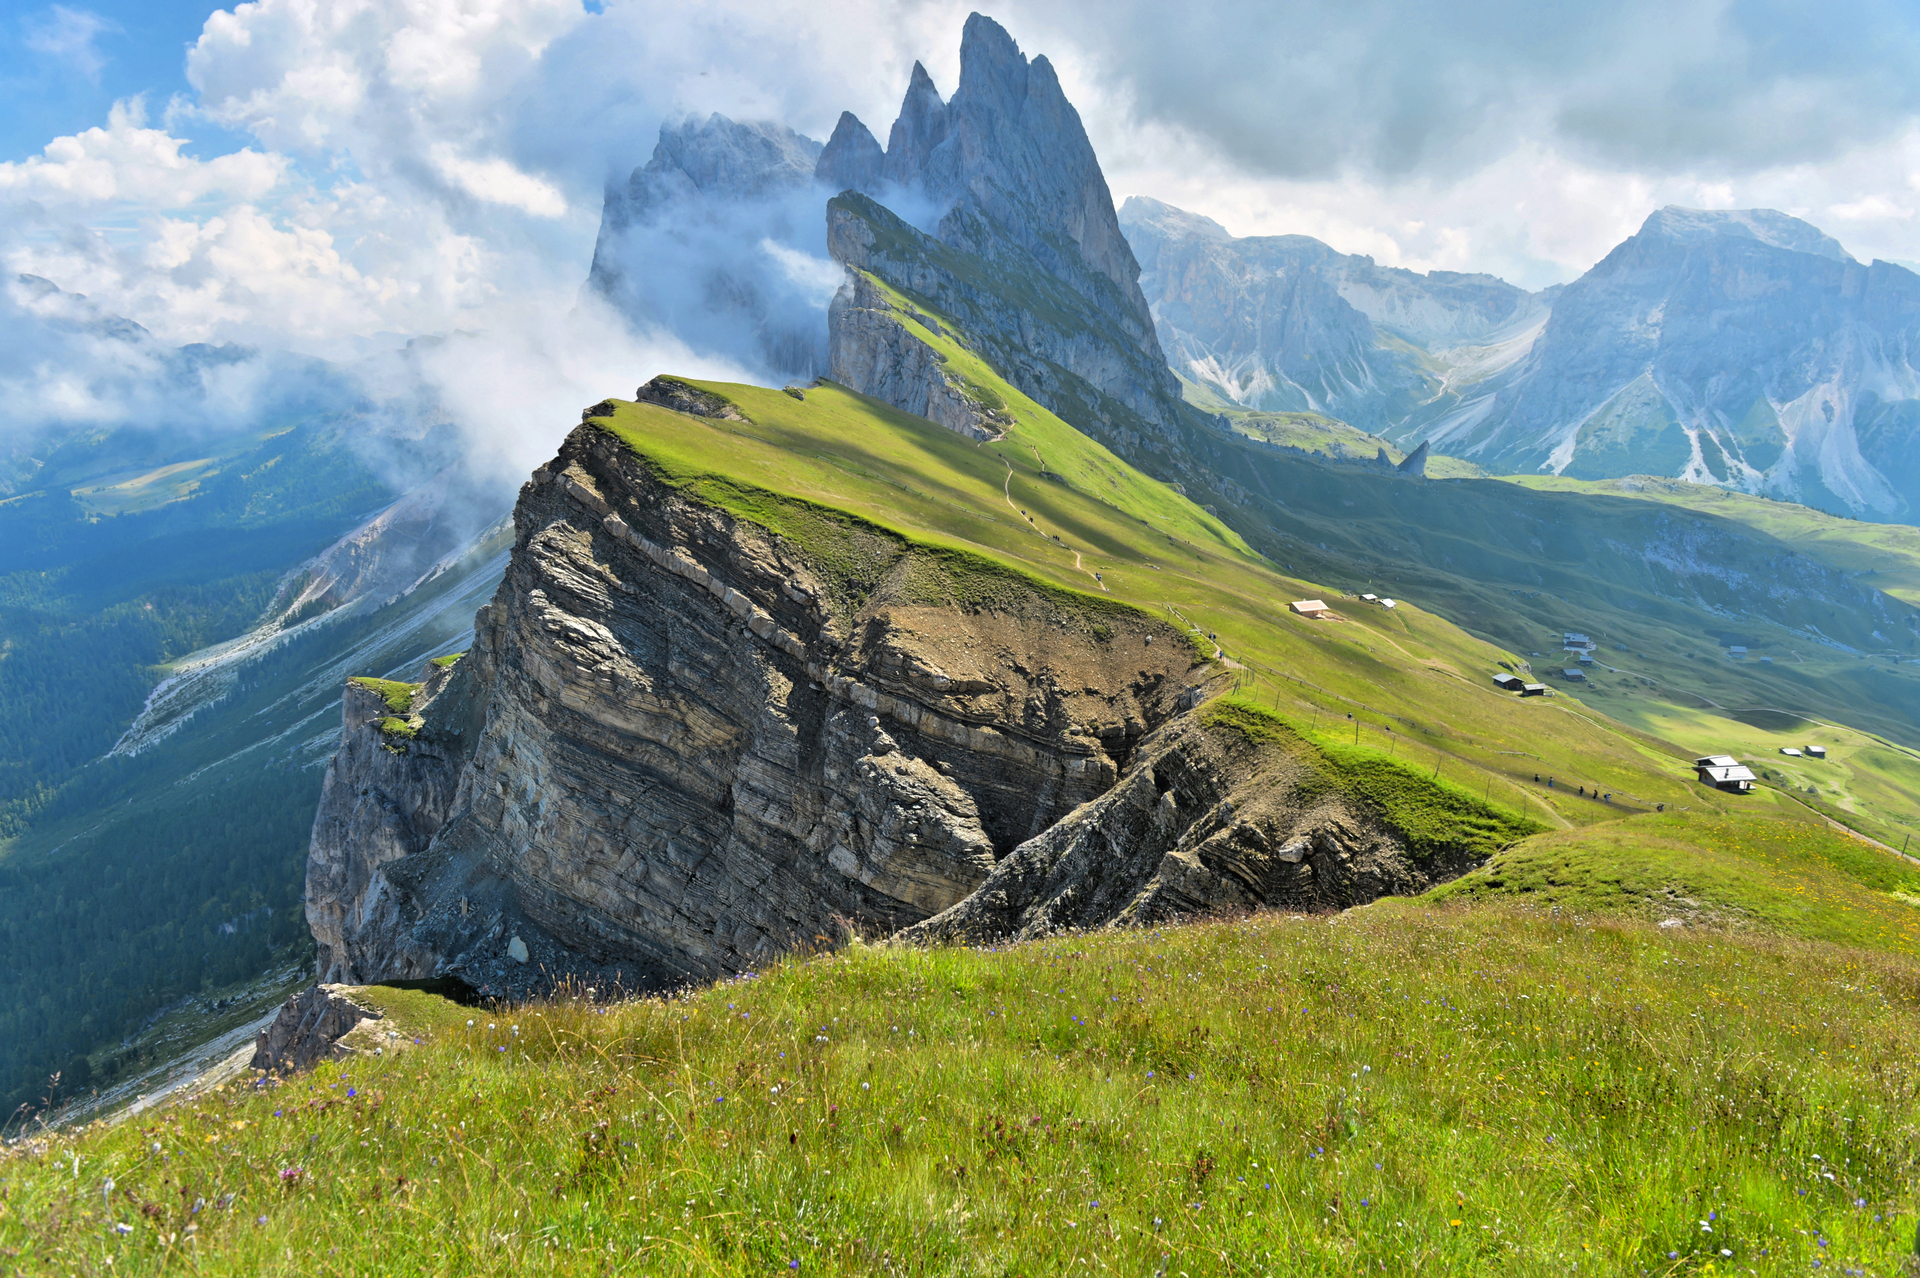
{"points": [[1738, 348]]}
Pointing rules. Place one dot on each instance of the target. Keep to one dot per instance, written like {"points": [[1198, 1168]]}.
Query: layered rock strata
{"points": [[309, 1028], [385, 796], [706, 744], [1206, 821]]}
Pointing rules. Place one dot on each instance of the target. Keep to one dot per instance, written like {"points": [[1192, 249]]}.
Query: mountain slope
{"points": [[1742, 348], [1286, 323]]}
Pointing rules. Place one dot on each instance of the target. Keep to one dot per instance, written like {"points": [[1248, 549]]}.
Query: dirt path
{"points": [[1006, 490]]}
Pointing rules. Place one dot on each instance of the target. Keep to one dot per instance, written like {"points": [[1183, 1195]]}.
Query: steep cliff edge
{"points": [[724, 722], [706, 744], [388, 790]]}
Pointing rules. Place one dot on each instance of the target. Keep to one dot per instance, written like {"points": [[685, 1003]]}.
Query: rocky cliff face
{"points": [[1284, 322], [1024, 215], [682, 745], [702, 748], [1009, 162], [1206, 821], [389, 789], [1039, 333], [871, 349]]}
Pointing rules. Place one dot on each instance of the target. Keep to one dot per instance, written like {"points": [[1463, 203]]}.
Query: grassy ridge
{"points": [[1447, 1091], [1739, 871], [1415, 682], [1431, 815]]}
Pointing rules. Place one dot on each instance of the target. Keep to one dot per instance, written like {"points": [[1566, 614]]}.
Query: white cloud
{"points": [[126, 162], [496, 181], [67, 36], [419, 164]]}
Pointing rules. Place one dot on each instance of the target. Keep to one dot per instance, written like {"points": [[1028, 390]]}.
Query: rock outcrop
{"points": [[870, 348], [1206, 821], [388, 790], [309, 1028], [705, 745]]}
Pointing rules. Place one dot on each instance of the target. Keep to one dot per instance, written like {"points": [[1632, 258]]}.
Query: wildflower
{"points": [[793, 1264], [261, 1221], [351, 1092], [866, 1087], [1725, 1252], [124, 1228], [290, 1176], [276, 1113]]}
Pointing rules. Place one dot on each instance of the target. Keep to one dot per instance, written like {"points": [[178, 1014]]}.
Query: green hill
{"points": [[1452, 1091], [1467, 1084]]}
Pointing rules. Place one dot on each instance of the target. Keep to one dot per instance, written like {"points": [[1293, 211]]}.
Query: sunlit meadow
{"points": [[1401, 1088]]}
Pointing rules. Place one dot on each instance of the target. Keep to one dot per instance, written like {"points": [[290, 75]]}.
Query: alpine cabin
{"points": [[1724, 772]]}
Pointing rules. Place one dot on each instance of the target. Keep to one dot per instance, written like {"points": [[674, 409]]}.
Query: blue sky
{"points": [[348, 169], [63, 66]]}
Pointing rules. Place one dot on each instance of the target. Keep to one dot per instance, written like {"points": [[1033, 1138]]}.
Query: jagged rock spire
{"points": [[852, 159], [1008, 146]]}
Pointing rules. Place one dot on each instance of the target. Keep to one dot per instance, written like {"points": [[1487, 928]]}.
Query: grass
{"points": [[1886, 555], [1430, 815], [820, 470], [1738, 871], [397, 695], [1432, 1089], [448, 660]]}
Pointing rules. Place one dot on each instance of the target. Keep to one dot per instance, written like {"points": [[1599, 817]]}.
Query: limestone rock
{"points": [[871, 350], [309, 1029], [852, 159], [383, 799], [1203, 822], [701, 748]]}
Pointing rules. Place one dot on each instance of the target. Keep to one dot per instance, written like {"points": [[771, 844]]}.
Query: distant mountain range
{"points": [[1742, 348]]}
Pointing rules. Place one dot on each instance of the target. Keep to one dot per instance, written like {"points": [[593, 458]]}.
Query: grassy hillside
{"points": [[1403, 684], [1884, 555], [1404, 1089], [1733, 871]]}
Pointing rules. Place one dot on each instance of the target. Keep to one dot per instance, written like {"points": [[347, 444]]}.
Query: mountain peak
{"points": [[1769, 226], [852, 158], [1146, 212], [993, 71]]}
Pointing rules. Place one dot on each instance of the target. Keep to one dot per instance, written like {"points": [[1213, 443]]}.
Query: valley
{"points": [[1010, 777]]}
